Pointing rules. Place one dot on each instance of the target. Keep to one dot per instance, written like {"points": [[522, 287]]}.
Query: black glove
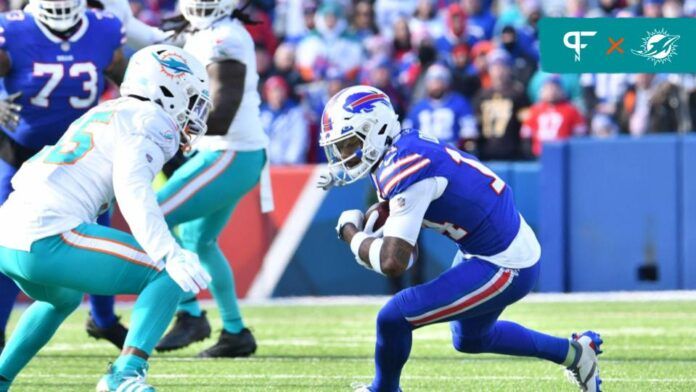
{"points": [[9, 111]]}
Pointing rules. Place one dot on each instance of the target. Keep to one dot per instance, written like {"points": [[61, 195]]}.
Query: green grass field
{"points": [[649, 346]]}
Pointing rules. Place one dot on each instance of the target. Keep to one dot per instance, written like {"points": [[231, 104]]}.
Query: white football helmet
{"points": [[58, 15], [202, 13], [174, 79], [362, 117]]}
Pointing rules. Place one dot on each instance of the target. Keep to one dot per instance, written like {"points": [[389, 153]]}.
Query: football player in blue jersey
{"points": [[53, 59], [438, 186]]}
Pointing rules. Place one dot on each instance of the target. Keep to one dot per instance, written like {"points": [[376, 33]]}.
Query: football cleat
{"points": [[360, 387], [187, 329], [116, 334], [231, 345], [584, 372], [119, 382], [2, 342]]}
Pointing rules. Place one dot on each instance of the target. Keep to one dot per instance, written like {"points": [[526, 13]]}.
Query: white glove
{"points": [[185, 269], [350, 216], [370, 226], [326, 181]]}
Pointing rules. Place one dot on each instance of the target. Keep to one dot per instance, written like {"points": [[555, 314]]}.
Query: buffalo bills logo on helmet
{"points": [[364, 102]]}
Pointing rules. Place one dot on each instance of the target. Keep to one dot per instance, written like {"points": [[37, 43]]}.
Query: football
{"points": [[381, 208]]}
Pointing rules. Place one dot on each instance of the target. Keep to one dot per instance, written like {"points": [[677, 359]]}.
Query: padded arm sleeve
{"points": [[136, 161], [407, 209]]}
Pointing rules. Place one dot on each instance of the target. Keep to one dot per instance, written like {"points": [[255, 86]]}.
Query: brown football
{"points": [[381, 208]]}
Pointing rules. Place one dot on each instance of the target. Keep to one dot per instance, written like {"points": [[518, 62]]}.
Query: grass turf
{"points": [[648, 346]]}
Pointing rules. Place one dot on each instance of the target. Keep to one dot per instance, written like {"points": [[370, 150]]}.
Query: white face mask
{"points": [[58, 15], [201, 14]]}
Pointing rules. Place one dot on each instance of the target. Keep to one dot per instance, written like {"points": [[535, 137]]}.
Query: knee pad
{"points": [[470, 345]]}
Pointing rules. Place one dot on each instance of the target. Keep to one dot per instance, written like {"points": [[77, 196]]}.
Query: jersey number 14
{"points": [[497, 184]]}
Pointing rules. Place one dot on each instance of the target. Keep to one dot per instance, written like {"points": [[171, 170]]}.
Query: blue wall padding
{"points": [[323, 264], [688, 204], [525, 185], [552, 230], [622, 213]]}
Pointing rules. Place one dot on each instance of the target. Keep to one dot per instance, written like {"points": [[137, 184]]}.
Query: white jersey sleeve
{"points": [[138, 156], [138, 34], [225, 45], [407, 209]]}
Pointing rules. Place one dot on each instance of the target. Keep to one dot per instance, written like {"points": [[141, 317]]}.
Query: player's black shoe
{"points": [[187, 329], [231, 345], [116, 334], [2, 342]]}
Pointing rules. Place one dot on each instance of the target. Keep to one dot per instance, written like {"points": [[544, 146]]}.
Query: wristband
{"points": [[375, 250], [411, 261], [356, 241]]}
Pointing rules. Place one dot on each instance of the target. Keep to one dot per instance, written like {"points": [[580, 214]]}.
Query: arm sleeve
{"points": [[136, 161], [140, 35], [407, 209]]}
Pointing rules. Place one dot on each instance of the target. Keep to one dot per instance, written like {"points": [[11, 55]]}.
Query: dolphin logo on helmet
{"points": [[172, 65]]}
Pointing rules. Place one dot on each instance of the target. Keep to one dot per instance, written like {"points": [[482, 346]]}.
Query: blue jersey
{"points": [[448, 119], [59, 79], [476, 210]]}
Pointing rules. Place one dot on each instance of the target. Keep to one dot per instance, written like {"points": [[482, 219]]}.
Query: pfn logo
{"points": [[573, 40]]}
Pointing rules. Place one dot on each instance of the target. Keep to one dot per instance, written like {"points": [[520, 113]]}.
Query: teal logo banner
{"points": [[623, 45]]}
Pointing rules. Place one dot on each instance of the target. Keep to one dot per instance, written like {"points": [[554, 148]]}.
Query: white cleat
{"points": [[118, 382], [360, 387], [585, 371]]}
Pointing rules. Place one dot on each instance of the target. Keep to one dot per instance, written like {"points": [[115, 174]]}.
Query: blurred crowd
{"points": [[466, 71]]}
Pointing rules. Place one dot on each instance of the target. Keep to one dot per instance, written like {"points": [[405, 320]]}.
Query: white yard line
{"points": [[364, 377]]}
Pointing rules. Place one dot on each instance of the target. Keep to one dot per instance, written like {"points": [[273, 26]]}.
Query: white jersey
{"points": [[112, 152], [227, 39]]}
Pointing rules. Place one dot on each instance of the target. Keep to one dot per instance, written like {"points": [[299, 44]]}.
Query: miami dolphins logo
{"points": [[658, 46], [172, 64]]}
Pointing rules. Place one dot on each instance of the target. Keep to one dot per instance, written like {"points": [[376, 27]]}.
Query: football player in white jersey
{"points": [[201, 195], [49, 242], [227, 163]]}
